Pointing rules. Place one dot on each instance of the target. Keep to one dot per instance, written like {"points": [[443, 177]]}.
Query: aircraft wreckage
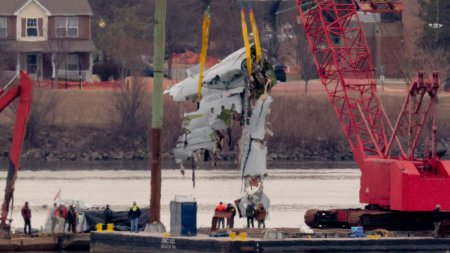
{"points": [[229, 96]]}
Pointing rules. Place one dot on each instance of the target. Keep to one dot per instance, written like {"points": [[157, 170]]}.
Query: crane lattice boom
{"points": [[393, 176]]}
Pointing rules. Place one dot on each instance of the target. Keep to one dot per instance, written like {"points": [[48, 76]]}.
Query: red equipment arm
{"points": [[415, 113], [402, 181], [343, 60], [345, 68], [25, 92]]}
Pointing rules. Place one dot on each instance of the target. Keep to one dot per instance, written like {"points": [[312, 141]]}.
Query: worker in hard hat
{"points": [[230, 221], [221, 208], [72, 218], [260, 215], [437, 219], [250, 214], [108, 215], [54, 213], [133, 214], [26, 214]]}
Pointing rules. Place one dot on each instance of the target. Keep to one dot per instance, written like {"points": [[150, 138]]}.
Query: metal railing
{"points": [[72, 74]]}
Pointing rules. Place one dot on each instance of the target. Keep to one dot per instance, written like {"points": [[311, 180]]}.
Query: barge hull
{"points": [[146, 242]]}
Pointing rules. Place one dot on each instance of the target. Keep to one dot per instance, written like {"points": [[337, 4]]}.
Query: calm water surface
{"points": [[292, 191]]}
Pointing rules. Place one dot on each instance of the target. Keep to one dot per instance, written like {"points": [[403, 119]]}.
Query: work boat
{"points": [[90, 215], [63, 208]]}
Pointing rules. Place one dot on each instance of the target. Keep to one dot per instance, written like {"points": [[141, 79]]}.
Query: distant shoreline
{"points": [[30, 165], [305, 130]]}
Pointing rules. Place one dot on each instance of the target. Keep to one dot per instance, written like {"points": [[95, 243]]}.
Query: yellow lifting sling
{"points": [[205, 41], [246, 39], [255, 36]]}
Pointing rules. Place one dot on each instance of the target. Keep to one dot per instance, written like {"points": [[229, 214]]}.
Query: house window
{"points": [[67, 27], [32, 28], [72, 26], [32, 63], [72, 62], [3, 27], [60, 27]]}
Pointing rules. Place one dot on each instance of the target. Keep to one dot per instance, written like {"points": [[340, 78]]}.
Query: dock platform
{"points": [[155, 242], [67, 242]]}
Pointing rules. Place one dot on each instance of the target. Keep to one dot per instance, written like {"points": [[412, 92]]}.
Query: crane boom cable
{"points": [[204, 50]]}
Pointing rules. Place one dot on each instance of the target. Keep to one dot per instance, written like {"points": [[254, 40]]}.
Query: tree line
{"points": [[123, 30]]}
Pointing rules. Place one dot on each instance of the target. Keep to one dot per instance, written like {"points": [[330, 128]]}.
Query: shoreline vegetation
{"points": [[144, 165], [74, 125]]}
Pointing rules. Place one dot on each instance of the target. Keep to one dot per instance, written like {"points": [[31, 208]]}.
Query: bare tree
{"points": [[426, 61], [127, 31], [128, 108], [7, 64], [305, 58], [182, 31], [58, 49], [45, 103]]}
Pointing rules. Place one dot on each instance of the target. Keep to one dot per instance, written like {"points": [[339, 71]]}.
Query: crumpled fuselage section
{"points": [[229, 99]]}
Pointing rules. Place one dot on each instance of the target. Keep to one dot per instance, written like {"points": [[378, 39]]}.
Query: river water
{"points": [[291, 190]]}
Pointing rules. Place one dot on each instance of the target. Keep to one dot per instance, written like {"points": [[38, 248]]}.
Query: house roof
{"points": [[7, 8], [64, 46], [53, 7]]}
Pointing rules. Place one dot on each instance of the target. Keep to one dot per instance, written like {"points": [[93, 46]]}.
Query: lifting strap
{"points": [[205, 41], [255, 34], [246, 41]]}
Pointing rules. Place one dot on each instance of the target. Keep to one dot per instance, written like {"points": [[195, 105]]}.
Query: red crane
{"points": [[397, 185], [24, 91]]}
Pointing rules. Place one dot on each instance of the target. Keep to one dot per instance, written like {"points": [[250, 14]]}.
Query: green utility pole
{"points": [[157, 109]]}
